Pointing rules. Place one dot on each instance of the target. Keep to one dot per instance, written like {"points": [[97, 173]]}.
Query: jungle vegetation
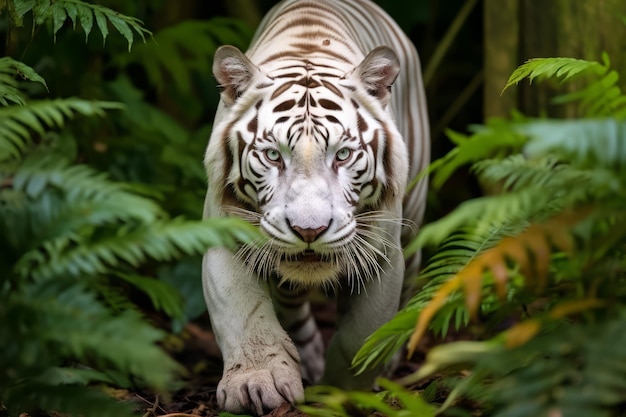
{"points": [[104, 114]]}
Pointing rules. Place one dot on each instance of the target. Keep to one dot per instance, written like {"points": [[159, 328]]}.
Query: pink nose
{"points": [[309, 235]]}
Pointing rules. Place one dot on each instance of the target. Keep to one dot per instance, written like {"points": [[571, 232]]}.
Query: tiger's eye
{"points": [[272, 154], [343, 154]]}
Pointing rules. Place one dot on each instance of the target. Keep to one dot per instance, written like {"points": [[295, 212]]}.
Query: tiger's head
{"points": [[310, 154]]}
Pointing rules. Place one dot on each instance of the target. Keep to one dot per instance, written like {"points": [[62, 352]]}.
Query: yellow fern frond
{"points": [[530, 250], [526, 330]]}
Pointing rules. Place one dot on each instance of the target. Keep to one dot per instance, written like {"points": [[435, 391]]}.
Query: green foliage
{"points": [[9, 91], [562, 68], [600, 98], [578, 370], [395, 401], [18, 121], [181, 50], [550, 235], [58, 11], [77, 242]]}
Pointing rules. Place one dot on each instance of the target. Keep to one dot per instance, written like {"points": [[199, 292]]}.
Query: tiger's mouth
{"points": [[306, 256]]}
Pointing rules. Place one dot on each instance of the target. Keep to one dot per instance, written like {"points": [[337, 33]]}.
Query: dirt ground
{"points": [[197, 350]]}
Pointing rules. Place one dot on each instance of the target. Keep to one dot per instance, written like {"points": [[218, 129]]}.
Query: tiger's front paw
{"points": [[260, 390]]}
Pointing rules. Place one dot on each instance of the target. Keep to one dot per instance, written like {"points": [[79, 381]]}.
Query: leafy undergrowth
{"points": [[196, 349]]}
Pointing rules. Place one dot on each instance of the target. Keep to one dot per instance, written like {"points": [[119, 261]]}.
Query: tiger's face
{"points": [[313, 159]]}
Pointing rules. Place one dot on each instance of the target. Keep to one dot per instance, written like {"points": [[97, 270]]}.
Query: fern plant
{"points": [[544, 254], [58, 11], [68, 236]]}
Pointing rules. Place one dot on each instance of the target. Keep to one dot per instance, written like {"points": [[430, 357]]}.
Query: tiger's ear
{"points": [[378, 71], [234, 72]]}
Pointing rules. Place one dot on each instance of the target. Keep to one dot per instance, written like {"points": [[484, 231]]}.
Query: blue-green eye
{"points": [[343, 154], [273, 155]]}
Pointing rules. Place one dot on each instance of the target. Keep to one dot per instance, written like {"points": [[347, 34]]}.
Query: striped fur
{"points": [[321, 123]]}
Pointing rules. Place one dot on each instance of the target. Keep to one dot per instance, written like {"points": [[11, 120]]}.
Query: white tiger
{"points": [[312, 144]]}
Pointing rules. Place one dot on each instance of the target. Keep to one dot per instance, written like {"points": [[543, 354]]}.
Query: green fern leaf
{"points": [[163, 296], [455, 253], [79, 11], [90, 197], [68, 399], [63, 314], [383, 344], [162, 241], [573, 370], [17, 121], [585, 143], [9, 91], [21, 7], [564, 68], [85, 16], [124, 28], [59, 15], [101, 21], [496, 138], [171, 53], [72, 12]]}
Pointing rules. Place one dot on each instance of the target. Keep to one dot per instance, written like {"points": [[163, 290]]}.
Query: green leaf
{"points": [[103, 26], [162, 295], [9, 88], [85, 15], [171, 52], [162, 241], [586, 143], [122, 27], [83, 12], [15, 121], [58, 18], [564, 68]]}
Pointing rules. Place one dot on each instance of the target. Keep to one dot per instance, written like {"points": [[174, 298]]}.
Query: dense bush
{"points": [[541, 255], [98, 196]]}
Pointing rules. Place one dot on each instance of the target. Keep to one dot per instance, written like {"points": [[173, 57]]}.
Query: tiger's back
{"points": [[320, 126]]}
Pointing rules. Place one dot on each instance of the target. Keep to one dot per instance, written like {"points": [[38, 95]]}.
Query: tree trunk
{"points": [[517, 30]]}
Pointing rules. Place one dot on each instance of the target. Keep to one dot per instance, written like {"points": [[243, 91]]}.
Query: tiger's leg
{"points": [[261, 364], [360, 315], [294, 313]]}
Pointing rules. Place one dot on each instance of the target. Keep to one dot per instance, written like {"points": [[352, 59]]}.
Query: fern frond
{"points": [[9, 90], [18, 122], [63, 315], [388, 339], [163, 296], [526, 330], [395, 401], [485, 213], [537, 241], [563, 68], [517, 172], [185, 47], [584, 143], [496, 138], [89, 197], [161, 241], [576, 371], [602, 97], [70, 399], [453, 255], [79, 11], [542, 183]]}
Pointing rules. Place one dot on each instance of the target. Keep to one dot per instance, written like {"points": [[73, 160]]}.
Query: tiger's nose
{"points": [[308, 235]]}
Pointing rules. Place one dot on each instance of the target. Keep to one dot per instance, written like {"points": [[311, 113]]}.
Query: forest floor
{"points": [[196, 349]]}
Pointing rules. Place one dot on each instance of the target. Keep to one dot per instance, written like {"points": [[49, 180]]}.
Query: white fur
{"points": [[359, 251]]}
